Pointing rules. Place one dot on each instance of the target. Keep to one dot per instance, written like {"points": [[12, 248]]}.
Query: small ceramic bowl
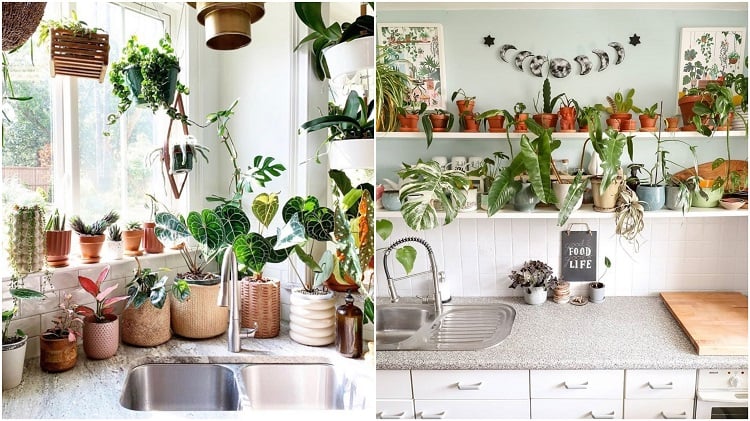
{"points": [[731, 203]]}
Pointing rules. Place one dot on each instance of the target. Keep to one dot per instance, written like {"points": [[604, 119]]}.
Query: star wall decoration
{"points": [[489, 41], [635, 40]]}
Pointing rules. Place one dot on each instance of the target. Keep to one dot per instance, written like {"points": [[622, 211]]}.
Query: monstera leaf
{"points": [[207, 229], [170, 228], [253, 251], [318, 224], [265, 207], [426, 181], [234, 222]]}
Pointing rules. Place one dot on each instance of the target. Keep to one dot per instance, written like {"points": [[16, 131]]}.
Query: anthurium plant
{"points": [[104, 305]]}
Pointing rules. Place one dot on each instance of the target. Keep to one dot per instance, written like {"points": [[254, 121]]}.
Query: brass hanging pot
{"points": [[228, 23]]}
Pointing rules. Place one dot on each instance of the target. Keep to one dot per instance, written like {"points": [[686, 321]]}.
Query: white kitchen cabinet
{"points": [[394, 409], [472, 409], [659, 408], [393, 384], [659, 384], [470, 384], [576, 408], [577, 384]]}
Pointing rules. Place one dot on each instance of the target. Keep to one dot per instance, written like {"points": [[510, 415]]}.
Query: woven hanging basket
{"points": [[261, 302], [20, 20]]}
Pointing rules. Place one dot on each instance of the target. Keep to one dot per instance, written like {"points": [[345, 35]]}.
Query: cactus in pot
{"points": [[26, 239]]}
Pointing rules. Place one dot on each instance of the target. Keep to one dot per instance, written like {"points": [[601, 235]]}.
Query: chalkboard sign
{"points": [[578, 256]]}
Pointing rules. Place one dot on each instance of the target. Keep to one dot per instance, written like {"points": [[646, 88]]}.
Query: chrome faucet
{"points": [[229, 296], [433, 271]]}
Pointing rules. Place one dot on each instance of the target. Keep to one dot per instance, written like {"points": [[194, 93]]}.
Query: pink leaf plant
{"points": [[103, 304], [67, 323]]}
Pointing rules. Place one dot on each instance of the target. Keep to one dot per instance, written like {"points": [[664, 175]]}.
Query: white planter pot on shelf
{"points": [[312, 318], [13, 362], [351, 154], [351, 56]]}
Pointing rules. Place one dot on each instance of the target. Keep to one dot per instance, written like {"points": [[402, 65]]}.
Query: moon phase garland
{"points": [[560, 67]]}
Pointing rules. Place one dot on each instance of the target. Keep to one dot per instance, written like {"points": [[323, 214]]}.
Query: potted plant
{"points": [[91, 237], [58, 345], [596, 289], [648, 117], [469, 122], [567, 113], [132, 238], [488, 171], [26, 238], [183, 154], [14, 344], [101, 327], [75, 48], [605, 187], [340, 47], [494, 120], [582, 116], [58, 241], [619, 108], [437, 120], [351, 129], [545, 115], [114, 242], [520, 117], [408, 116], [687, 102], [151, 242], [391, 86], [628, 216], [426, 183], [535, 277], [465, 104], [145, 319], [147, 76]]}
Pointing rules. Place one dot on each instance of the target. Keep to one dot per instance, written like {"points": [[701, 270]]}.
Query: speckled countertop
{"points": [[621, 333], [92, 388]]}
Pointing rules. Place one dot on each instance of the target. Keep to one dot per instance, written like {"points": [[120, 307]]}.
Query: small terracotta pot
{"points": [[567, 119], [613, 123], [627, 125], [146, 325], [91, 247], [408, 123], [686, 104], [673, 124], [648, 124], [520, 123], [151, 243], [131, 240], [730, 118], [496, 124], [57, 355], [465, 106], [546, 120], [58, 248], [439, 122], [584, 129], [621, 116], [100, 340], [470, 125]]}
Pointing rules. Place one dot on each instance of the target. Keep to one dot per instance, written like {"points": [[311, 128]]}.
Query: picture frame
{"points": [[707, 53], [419, 48]]}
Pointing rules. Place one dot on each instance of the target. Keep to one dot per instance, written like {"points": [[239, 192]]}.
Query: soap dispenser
{"points": [[349, 328]]}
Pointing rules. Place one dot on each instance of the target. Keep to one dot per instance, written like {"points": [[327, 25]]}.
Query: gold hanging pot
{"points": [[228, 23]]}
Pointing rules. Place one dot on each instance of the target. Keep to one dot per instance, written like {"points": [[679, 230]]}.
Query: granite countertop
{"points": [[92, 388], [620, 333]]}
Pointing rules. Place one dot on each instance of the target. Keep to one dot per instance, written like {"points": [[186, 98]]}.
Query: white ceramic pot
{"points": [[561, 190], [351, 56], [534, 295], [13, 359], [312, 318], [351, 154], [115, 250], [596, 292], [471, 201]]}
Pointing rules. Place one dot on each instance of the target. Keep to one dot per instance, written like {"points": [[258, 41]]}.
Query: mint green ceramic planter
{"points": [[713, 198]]}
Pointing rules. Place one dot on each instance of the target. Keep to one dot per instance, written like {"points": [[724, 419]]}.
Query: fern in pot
{"points": [[535, 277]]}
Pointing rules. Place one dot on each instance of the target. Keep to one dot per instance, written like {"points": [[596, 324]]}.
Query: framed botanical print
{"points": [[709, 53], [418, 51]]}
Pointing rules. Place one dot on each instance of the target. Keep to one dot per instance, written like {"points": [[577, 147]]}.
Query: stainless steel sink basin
{"points": [[181, 387], [458, 328], [291, 386]]}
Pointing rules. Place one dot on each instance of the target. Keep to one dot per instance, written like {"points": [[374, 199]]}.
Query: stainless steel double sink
{"points": [[236, 387]]}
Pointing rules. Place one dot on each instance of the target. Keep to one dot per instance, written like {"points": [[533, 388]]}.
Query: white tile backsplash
{"points": [[675, 254]]}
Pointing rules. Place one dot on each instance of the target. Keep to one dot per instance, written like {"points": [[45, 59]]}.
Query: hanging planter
{"points": [[351, 56], [20, 20], [228, 23], [351, 154], [75, 49]]}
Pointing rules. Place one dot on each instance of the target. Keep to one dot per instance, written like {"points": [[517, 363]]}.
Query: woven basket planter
{"points": [[20, 20], [78, 55], [260, 301], [199, 317], [147, 325]]}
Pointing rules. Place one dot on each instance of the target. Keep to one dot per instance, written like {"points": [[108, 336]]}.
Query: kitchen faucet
{"points": [[229, 296], [433, 270]]}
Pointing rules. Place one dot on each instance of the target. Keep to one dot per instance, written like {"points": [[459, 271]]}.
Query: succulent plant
{"points": [[55, 222], [26, 239], [97, 228], [114, 233]]}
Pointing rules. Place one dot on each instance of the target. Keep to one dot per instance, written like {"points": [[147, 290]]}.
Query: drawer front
{"points": [[576, 408], [473, 409], [470, 384], [394, 409], [393, 384], [659, 384], [659, 409], [605, 384]]}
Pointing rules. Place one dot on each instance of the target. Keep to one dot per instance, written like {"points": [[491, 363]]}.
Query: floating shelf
{"points": [[557, 135], [585, 212]]}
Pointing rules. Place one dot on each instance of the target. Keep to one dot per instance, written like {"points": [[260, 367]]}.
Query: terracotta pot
{"points": [[58, 248], [312, 318], [621, 116], [686, 104], [151, 244], [100, 340], [673, 124], [439, 122], [200, 317], [605, 202], [147, 325], [470, 125], [613, 123], [627, 125], [261, 304], [57, 355], [408, 123], [567, 119], [465, 106], [496, 124], [91, 247], [521, 123], [546, 120], [583, 129], [730, 118], [131, 240], [648, 124]]}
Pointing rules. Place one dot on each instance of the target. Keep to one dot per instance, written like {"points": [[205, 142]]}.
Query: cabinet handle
{"points": [[382, 416], [475, 386], [669, 385], [435, 416], [608, 415], [584, 385], [674, 415]]}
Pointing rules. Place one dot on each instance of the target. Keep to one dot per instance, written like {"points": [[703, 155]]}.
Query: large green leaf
{"points": [[291, 234], [384, 228], [234, 222], [424, 182], [342, 181], [319, 224], [277, 255], [169, 228], [406, 256], [307, 259], [253, 251], [25, 293], [310, 14], [265, 207], [296, 205], [325, 264], [505, 185], [207, 229], [611, 151], [575, 191]]}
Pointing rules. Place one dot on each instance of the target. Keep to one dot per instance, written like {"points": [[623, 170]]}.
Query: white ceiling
{"points": [[386, 5]]}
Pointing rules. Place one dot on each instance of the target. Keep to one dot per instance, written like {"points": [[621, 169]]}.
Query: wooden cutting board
{"points": [[715, 322]]}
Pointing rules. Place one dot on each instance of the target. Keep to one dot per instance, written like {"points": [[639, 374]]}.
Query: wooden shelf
{"points": [[557, 135], [585, 212]]}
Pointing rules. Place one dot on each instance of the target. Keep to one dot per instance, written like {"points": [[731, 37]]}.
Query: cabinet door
{"points": [[568, 384], [659, 384], [393, 384], [394, 409], [659, 408], [470, 384], [576, 408], [472, 409]]}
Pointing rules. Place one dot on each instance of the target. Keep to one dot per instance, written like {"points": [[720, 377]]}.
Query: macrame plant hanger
{"points": [[167, 151]]}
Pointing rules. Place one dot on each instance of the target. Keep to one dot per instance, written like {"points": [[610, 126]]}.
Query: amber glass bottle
{"points": [[349, 328]]}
